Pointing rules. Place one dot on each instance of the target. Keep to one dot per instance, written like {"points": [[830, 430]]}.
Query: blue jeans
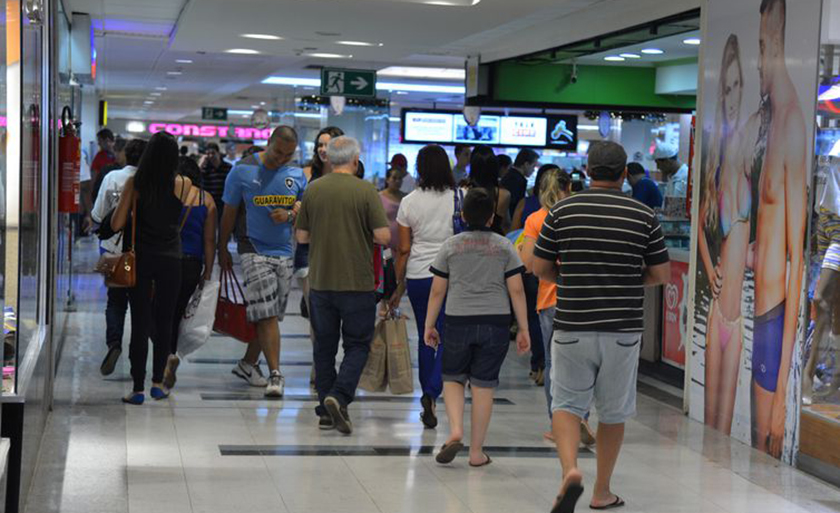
{"points": [[430, 361], [532, 285], [337, 315]]}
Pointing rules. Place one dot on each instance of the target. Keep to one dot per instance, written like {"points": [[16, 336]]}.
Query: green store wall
{"points": [[617, 86]]}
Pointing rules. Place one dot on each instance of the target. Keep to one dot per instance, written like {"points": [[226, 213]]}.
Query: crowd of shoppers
{"points": [[572, 283]]}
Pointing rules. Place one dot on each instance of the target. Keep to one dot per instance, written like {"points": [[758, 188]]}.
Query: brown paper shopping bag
{"points": [[400, 374], [374, 376]]}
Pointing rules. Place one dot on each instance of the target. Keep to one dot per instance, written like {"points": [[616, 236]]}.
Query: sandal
{"points": [[448, 452], [486, 462], [566, 502], [617, 503]]}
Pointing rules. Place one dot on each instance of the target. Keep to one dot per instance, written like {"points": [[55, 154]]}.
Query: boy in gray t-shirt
{"points": [[480, 274]]}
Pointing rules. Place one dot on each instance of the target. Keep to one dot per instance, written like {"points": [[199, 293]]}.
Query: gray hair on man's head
{"points": [[342, 151]]}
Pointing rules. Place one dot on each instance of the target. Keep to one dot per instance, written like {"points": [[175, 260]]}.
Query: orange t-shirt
{"points": [[547, 295]]}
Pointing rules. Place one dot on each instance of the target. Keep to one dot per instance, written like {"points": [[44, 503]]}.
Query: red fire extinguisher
{"points": [[69, 165]]}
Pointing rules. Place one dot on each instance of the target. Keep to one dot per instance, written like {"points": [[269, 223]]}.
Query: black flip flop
{"points": [[617, 503], [566, 502], [448, 452], [486, 462]]}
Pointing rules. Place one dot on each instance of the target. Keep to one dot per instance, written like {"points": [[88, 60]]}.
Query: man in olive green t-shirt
{"points": [[341, 218]]}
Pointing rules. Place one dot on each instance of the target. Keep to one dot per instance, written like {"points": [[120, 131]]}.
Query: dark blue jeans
{"points": [[115, 316], [430, 361], [351, 315], [532, 286]]}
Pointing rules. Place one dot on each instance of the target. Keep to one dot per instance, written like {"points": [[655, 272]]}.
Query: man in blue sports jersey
{"points": [[269, 190]]}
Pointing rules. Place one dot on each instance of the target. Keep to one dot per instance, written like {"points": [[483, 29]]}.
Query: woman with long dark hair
{"points": [[424, 222], [484, 173], [159, 195]]}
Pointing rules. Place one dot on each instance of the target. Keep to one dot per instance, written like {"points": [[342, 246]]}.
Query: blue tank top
{"points": [[192, 235], [532, 204]]}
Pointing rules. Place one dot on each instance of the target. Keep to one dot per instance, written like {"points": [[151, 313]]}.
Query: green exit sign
{"points": [[358, 83], [214, 113]]}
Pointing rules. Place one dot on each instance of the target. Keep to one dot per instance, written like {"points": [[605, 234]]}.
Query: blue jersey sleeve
{"points": [[233, 187]]}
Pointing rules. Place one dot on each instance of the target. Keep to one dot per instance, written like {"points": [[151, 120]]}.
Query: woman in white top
{"points": [[425, 222]]}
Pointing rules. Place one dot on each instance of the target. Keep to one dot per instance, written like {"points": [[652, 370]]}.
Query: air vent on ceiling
{"points": [[314, 66], [328, 34]]}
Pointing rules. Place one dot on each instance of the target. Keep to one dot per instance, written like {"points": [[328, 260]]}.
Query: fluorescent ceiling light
{"points": [[402, 92], [307, 115], [357, 43], [385, 86], [694, 41], [184, 61], [135, 127], [174, 73], [148, 102], [240, 112], [653, 51], [242, 51], [160, 88], [265, 37], [155, 94], [630, 56], [452, 3], [419, 72], [587, 127], [321, 55], [614, 58]]}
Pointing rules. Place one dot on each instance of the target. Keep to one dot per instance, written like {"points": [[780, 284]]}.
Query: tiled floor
{"points": [[100, 456]]}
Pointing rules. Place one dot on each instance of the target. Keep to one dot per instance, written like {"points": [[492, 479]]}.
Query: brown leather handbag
{"points": [[120, 271]]}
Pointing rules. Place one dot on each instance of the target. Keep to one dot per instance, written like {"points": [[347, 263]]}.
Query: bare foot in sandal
{"points": [[570, 492]]}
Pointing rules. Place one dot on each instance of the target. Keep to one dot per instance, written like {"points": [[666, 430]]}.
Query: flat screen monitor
{"points": [[523, 131]]}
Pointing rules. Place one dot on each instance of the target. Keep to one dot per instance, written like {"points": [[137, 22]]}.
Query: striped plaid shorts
{"points": [[828, 239], [268, 281]]}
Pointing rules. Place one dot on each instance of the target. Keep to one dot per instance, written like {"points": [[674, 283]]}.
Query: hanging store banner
{"points": [[757, 111]]}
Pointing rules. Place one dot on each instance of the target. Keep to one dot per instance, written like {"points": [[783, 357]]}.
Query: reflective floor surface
{"points": [[218, 446]]}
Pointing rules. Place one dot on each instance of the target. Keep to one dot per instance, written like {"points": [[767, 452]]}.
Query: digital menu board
{"points": [[428, 127], [549, 131]]}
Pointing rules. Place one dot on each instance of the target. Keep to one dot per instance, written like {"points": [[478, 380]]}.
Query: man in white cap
{"points": [[673, 171]]}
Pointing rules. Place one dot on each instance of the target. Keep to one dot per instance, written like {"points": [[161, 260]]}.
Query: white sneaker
{"points": [[250, 373], [276, 385]]}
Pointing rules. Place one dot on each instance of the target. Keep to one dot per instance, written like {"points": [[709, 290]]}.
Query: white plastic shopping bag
{"points": [[197, 323]]}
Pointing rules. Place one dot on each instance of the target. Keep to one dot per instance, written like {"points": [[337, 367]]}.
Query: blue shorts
{"points": [[768, 332], [474, 352]]}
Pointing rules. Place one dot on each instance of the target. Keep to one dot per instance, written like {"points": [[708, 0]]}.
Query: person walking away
{"points": [[159, 194], [119, 163], [214, 172], [106, 155], [484, 173], [462, 160], [555, 185], [645, 190], [531, 203], [516, 180], [269, 189], [609, 247], [341, 218], [198, 252], [477, 320], [425, 223], [106, 201]]}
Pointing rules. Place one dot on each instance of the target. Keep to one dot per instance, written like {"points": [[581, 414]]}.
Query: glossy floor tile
{"points": [[218, 446]]}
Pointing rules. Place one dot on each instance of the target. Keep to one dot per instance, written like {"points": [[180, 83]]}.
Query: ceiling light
{"points": [[307, 115], [419, 72], [148, 102], [653, 51], [694, 41], [255, 107], [135, 127], [155, 94], [174, 73], [631, 56], [160, 88], [587, 127], [329, 55], [183, 61], [614, 58], [266, 37], [357, 43], [452, 3], [402, 92], [262, 103], [240, 112], [242, 51], [292, 81]]}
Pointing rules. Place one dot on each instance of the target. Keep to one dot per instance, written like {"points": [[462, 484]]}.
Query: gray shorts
{"points": [[595, 366], [268, 281]]}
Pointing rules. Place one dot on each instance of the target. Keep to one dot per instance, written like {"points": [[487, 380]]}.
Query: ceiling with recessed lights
{"points": [[164, 59]]}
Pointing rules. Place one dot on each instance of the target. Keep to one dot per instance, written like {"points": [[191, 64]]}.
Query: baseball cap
{"points": [[665, 150], [399, 160], [606, 154]]}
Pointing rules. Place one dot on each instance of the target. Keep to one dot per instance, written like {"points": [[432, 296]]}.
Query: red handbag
{"points": [[231, 317]]}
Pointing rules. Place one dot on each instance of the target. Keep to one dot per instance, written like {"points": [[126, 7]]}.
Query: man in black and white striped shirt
{"points": [[602, 248]]}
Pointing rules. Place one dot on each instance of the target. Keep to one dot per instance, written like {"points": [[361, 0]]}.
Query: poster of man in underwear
{"points": [[759, 91]]}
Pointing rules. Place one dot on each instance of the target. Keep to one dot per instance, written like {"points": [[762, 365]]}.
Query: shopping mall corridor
{"points": [[218, 446]]}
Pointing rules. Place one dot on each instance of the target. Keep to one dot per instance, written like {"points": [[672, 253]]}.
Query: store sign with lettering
{"points": [[189, 130]]}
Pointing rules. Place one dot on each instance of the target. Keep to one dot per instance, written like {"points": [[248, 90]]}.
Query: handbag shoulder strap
{"points": [[190, 199], [133, 219]]}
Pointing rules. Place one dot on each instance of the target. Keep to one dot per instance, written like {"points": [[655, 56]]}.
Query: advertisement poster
{"points": [[426, 126], [522, 131], [757, 112], [563, 132], [486, 131], [675, 318]]}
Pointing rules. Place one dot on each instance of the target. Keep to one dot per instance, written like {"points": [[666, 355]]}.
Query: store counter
{"points": [[666, 315]]}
